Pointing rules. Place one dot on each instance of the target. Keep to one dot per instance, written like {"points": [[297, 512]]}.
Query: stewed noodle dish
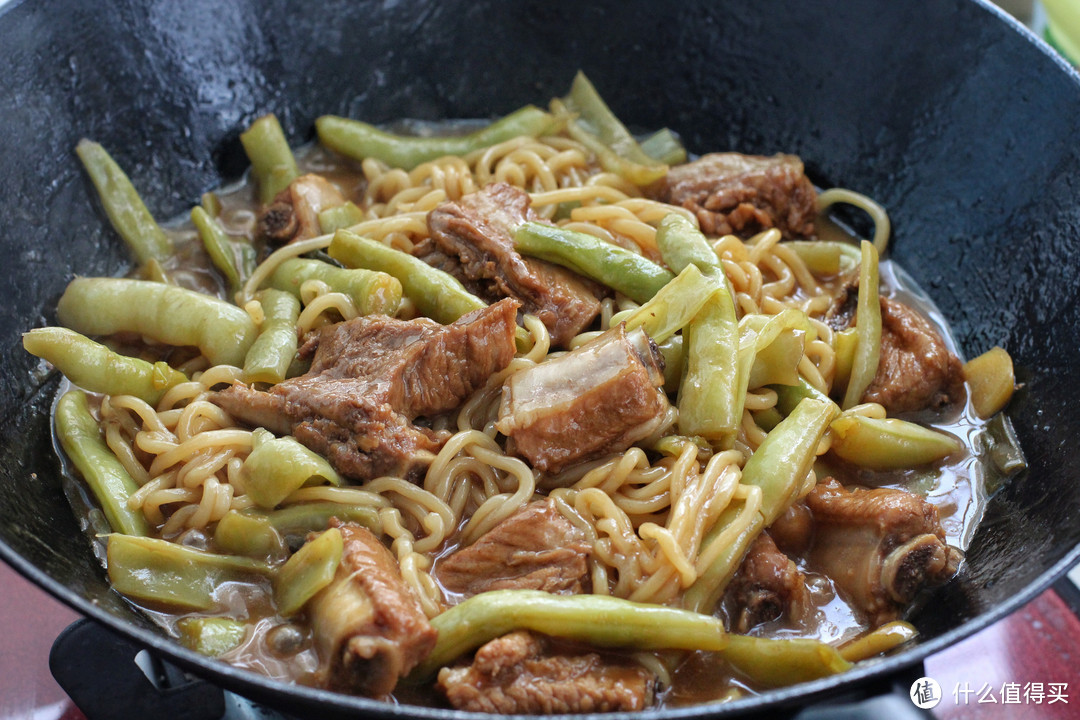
{"points": [[534, 415]]}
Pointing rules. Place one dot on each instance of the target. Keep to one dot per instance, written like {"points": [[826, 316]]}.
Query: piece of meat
{"points": [[601, 398], [515, 674], [880, 546], [368, 626], [731, 193], [916, 370], [766, 587], [294, 213], [370, 377], [536, 548], [478, 231]]}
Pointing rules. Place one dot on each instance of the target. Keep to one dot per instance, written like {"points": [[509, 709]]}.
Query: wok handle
{"points": [[108, 677]]}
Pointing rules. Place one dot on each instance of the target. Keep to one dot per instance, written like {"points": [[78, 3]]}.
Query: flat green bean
{"points": [[272, 162], [373, 293], [172, 574], [664, 146], [220, 249], [889, 443], [709, 400], [672, 307], [591, 122], [110, 483], [778, 467], [126, 210], [864, 364], [359, 140], [781, 662], [340, 217], [248, 534], [166, 313], [307, 572], [269, 357], [594, 619], [96, 368], [631, 274], [436, 294], [298, 520], [276, 467]]}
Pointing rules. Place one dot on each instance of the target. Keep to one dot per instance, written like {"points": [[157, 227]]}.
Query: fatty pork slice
{"points": [[880, 546], [600, 398], [478, 231], [370, 377], [517, 674], [368, 626], [536, 548], [731, 193], [294, 213]]}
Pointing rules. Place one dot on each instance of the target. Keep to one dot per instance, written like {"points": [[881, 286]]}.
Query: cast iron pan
{"points": [[963, 126]]}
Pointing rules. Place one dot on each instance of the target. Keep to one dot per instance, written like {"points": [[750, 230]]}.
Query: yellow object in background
{"points": [[1062, 29]]}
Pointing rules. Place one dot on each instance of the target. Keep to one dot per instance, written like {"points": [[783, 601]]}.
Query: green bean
{"points": [[590, 121], [278, 466], [889, 443], [211, 203], [664, 146], [211, 636], [674, 352], [758, 361], [778, 361], [126, 210], [671, 308], [778, 467], [782, 662], [96, 368], [248, 534], [824, 257], [359, 140], [789, 396], [784, 458], [110, 483], [436, 294], [220, 248], [631, 274], [681, 244], [373, 293], [296, 521], [338, 218], [864, 365], [172, 574], [272, 162], [154, 271], [307, 572], [598, 620], [269, 357], [709, 400], [879, 640], [166, 313]]}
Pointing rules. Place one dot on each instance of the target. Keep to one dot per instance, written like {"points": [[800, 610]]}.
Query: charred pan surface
{"points": [[477, 232], [602, 397], [370, 377], [731, 193], [294, 213], [767, 587], [880, 546], [369, 628], [536, 548], [515, 674]]}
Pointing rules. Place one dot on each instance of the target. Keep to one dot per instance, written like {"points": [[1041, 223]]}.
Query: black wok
{"points": [[962, 125]]}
